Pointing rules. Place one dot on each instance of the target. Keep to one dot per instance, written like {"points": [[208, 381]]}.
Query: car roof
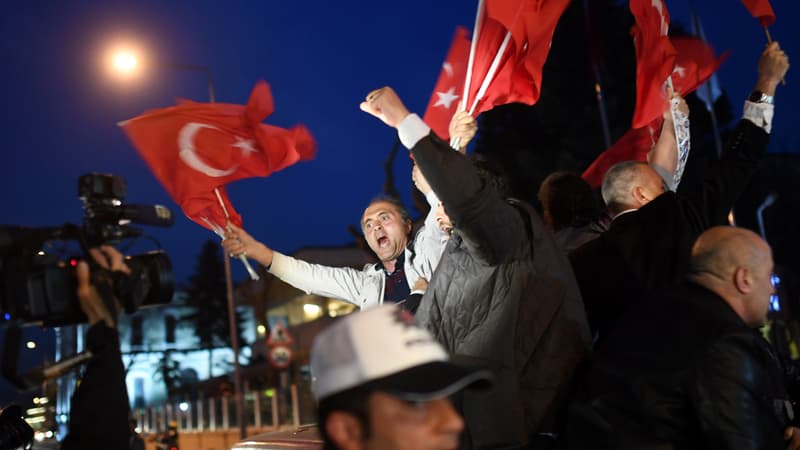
{"points": [[305, 437]]}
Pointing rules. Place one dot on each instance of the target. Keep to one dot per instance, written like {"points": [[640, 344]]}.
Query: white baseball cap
{"points": [[383, 349]]}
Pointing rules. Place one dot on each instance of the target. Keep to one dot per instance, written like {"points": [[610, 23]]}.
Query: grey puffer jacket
{"points": [[503, 296]]}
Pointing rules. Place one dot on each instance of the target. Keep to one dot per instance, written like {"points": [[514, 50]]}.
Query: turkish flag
{"points": [[518, 78], [695, 62], [632, 146], [194, 148], [761, 10], [655, 58], [449, 86]]}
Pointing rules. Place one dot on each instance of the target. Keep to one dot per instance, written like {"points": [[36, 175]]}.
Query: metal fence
{"points": [[263, 409]]}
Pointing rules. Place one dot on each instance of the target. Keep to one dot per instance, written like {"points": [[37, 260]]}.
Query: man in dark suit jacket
{"points": [[647, 246], [689, 369]]}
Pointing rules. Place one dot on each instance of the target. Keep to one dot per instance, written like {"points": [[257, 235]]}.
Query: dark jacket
{"points": [[503, 296], [686, 371], [99, 414], [648, 249]]}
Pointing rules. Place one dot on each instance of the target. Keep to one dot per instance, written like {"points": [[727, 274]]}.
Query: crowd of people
{"points": [[493, 327], [631, 327]]}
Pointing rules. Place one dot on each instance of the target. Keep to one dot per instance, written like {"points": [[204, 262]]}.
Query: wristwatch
{"points": [[760, 97]]}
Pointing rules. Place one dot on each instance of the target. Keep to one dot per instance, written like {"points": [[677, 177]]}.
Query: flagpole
{"points": [[601, 106], [698, 32], [234, 336], [471, 61], [598, 86], [490, 75], [456, 143]]}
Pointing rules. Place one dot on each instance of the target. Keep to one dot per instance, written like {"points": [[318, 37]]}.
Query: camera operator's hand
{"points": [[90, 299]]}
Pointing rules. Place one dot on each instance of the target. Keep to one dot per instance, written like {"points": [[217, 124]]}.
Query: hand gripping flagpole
{"points": [[476, 29], [486, 81]]}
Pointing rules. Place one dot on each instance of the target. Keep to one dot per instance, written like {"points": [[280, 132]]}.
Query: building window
{"points": [[169, 326], [136, 332], [138, 393]]}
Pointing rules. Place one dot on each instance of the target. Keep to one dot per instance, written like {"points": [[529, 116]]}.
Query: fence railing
{"points": [[263, 409]]}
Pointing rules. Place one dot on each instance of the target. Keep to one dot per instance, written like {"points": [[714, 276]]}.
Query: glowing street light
{"points": [[30, 344], [123, 61], [127, 62]]}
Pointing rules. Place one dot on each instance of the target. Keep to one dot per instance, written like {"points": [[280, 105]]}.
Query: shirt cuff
{"points": [[760, 114], [411, 130], [432, 198]]}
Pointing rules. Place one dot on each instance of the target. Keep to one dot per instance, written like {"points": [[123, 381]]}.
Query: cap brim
{"points": [[433, 380]]}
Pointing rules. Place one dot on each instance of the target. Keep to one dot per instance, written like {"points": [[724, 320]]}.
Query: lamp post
{"points": [[127, 62], [194, 68]]}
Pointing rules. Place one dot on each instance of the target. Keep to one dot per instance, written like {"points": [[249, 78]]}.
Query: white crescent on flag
{"points": [[189, 156]]}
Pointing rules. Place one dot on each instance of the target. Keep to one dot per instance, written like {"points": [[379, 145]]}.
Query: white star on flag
{"points": [[681, 71], [446, 99], [246, 145]]}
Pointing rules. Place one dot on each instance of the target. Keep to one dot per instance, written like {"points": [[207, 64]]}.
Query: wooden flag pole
{"points": [[769, 41], [234, 336]]}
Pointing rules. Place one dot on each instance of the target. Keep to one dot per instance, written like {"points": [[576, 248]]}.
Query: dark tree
{"points": [[206, 293], [169, 372]]}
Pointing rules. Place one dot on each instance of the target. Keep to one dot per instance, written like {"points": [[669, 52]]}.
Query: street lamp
{"points": [[126, 62], [123, 61]]}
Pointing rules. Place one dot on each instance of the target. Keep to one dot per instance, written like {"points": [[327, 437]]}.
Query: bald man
{"points": [[689, 369], [647, 244]]}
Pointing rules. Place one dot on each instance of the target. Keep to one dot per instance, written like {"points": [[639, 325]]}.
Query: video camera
{"points": [[37, 282], [14, 431]]}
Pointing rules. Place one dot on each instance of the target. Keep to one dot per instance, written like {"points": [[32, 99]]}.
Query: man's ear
{"points": [[742, 281], [638, 194], [408, 226], [344, 430]]}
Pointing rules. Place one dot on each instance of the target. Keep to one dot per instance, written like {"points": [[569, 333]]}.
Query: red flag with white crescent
{"points": [[195, 148]]}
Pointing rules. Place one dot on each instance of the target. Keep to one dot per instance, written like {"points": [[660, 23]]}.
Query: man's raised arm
{"points": [[490, 226]]}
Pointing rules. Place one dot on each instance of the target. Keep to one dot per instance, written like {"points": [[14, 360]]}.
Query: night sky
{"points": [[321, 58]]}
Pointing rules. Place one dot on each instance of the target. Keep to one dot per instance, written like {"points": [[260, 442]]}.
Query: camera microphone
{"points": [[38, 375], [154, 215]]}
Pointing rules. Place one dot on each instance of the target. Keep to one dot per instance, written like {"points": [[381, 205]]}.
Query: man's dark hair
{"points": [[354, 401], [567, 201], [491, 172], [386, 198]]}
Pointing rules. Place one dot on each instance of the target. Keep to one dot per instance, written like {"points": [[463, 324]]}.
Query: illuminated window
{"points": [[774, 300]]}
